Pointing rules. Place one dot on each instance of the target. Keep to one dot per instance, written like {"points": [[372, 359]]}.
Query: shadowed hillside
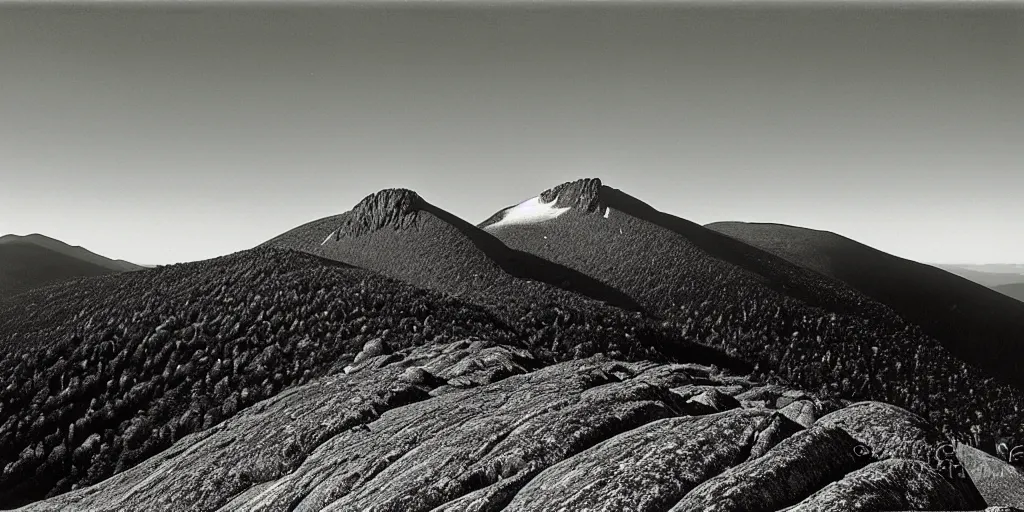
{"points": [[792, 323], [613, 237], [975, 323], [24, 266], [74, 251]]}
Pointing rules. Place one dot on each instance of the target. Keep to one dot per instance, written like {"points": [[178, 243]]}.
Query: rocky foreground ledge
{"points": [[473, 426]]}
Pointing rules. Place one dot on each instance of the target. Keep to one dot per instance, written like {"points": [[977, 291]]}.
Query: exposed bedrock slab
{"points": [[782, 477], [893, 484], [272, 438], [886, 431], [474, 426], [485, 442], [652, 467]]}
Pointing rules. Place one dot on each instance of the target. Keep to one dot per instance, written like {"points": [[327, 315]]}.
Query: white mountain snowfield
{"points": [[531, 211]]}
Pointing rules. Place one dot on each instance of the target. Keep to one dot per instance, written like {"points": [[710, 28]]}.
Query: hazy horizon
{"points": [[159, 134]]}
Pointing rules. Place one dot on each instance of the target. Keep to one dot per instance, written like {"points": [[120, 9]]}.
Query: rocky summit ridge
{"points": [[396, 208], [475, 425], [583, 195]]}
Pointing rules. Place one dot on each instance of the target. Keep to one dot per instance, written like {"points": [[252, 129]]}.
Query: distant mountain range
{"points": [[1015, 290], [30, 261], [991, 268], [1007, 279], [987, 275], [797, 316], [974, 322], [579, 349]]}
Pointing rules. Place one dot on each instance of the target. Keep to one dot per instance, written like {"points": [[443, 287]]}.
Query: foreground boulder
{"points": [[472, 425], [651, 467], [803, 412], [896, 484], [886, 431], [782, 477]]}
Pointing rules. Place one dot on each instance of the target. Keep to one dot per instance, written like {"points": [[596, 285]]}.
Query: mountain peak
{"points": [[75, 251], [397, 208], [34, 237], [584, 194]]}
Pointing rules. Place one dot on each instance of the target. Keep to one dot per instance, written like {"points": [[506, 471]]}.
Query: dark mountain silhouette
{"points": [[975, 323], [75, 251], [35, 260], [1013, 290], [792, 323], [399, 234]]}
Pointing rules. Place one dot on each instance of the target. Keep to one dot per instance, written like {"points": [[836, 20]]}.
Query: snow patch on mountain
{"points": [[531, 211]]}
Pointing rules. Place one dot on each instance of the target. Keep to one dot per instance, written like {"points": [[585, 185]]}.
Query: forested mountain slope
{"points": [[975, 323], [792, 323], [99, 374], [473, 425]]}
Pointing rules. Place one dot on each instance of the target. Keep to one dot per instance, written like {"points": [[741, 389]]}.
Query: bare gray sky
{"points": [[161, 134]]}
